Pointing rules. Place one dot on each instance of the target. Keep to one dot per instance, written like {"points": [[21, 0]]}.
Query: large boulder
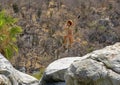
{"points": [[11, 76], [101, 67], [54, 73]]}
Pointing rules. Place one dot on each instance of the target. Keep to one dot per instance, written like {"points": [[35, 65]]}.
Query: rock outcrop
{"points": [[101, 67], [54, 73], [10, 76]]}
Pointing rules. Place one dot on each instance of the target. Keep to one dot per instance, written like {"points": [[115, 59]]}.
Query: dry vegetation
{"points": [[96, 24]]}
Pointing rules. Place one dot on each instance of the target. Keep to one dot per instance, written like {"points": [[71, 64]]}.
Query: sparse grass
{"points": [[39, 74]]}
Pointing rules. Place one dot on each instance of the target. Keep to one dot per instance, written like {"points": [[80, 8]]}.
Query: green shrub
{"points": [[39, 74], [110, 6], [90, 49], [8, 35], [102, 27]]}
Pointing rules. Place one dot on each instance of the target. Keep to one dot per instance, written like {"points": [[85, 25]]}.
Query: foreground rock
{"points": [[11, 76], [54, 73], [101, 67]]}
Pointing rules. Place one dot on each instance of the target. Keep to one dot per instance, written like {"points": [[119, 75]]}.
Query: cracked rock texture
{"points": [[101, 67]]}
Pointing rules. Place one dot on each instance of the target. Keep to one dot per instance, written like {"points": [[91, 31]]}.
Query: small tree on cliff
{"points": [[8, 34]]}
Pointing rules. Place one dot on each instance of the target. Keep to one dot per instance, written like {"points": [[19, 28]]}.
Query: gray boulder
{"points": [[101, 67], [54, 73], [11, 76]]}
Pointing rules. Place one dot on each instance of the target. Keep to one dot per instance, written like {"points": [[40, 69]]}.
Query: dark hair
{"points": [[70, 22]]}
